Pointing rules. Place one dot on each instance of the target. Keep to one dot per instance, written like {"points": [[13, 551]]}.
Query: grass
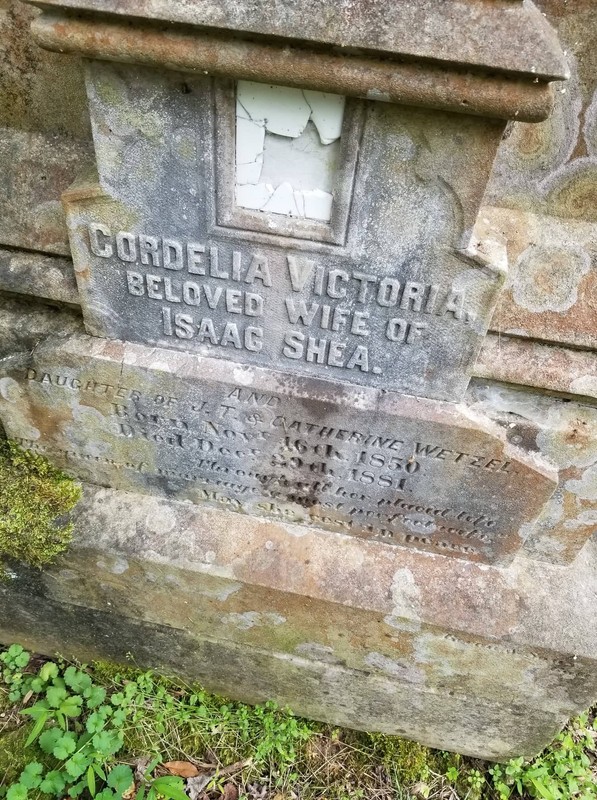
{"points": [[176, 740]]}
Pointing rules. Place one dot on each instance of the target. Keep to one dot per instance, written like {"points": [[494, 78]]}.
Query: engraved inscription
{"points": [[278, 307], [405, 477]]}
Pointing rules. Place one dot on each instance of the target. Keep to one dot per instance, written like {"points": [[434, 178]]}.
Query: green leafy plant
{"points": [[82, 730], [79, 730], [105, 733], [263, 736], [14, 661], [561, 772], [476, 782], [34, 495]]}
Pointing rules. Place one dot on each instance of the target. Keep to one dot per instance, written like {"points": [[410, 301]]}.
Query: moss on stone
{"points": [[14, 756], [406, 761], [34, 497]]}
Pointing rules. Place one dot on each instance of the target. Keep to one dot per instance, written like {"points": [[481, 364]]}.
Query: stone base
{"points": [[481, 660]]}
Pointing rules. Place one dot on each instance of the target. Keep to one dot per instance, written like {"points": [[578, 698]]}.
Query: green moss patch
{"points": [[34, 498]]}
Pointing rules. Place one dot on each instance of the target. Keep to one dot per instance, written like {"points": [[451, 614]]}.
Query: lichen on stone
{"points": [[34, 498]]}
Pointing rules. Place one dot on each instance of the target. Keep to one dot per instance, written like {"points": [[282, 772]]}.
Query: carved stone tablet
{"points": [[286, 228], [407, 471]]}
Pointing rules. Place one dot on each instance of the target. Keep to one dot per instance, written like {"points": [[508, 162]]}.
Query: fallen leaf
{"points": [[256, 792], [130, 792], [183, 769], [195, 786], [238, 766], [141, 765], [230, 792]]}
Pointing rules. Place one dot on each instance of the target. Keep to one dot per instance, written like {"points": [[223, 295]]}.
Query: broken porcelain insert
{"points": [[287, 149]]}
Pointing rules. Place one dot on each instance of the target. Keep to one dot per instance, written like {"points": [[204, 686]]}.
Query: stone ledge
{"points": [[38, 275], [526, 605], [454, 87], [511, 36], [526, 362], [312, 688], [486, 661]]}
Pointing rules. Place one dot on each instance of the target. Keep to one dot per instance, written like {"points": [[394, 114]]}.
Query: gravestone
{"points": [[400, 469], [314, 242], [284, 293], [387, 292]]}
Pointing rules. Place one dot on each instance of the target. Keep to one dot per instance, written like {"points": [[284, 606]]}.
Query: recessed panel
{"points": [[405, 471]]}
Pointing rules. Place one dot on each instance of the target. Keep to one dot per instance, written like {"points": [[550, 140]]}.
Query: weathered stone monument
{"points": [[285, 280]]}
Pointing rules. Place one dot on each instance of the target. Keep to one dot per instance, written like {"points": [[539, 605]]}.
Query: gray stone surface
{"points": [[393, 292], [39, 91], [240, 455], [35, 168], [47, 277], [508, 36], [482, 660], [23, 325], [404, 470]]}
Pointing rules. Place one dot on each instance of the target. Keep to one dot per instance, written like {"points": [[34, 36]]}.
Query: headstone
{"points": [[284, 296], [346, 258], [402, 470], [296, 273]]}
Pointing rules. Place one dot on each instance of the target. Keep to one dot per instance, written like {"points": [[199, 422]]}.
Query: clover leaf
{"points": [[56, 695], [71, 707], [95, 696], [31, 775], [77, 765], [53, 783], [17, 792], [120, 778], [107, 743], [49, 739], [66, 744], [76, 679], [48, 671]]}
